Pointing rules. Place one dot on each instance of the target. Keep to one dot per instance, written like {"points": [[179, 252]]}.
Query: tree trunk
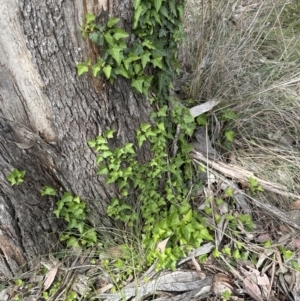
{"points": [[47, 114]]}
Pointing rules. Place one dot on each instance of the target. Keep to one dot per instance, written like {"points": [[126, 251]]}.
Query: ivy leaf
{"points": [[137, 67], [112, 21], [109, 134], [148, 44], [107, 71], [172, 8], [89, 18], [157, 62], [137, 83], [141, 139], [82, 68], [137, 48], [101, 140], [96, 69], [145, 58], [120, 34], [116, 54], [136, 4], [137, 15], [122, 71], [96, 38], [109, 39], [157, 4], [145, 127], [102, 170], [229, 135], [47, 190]]}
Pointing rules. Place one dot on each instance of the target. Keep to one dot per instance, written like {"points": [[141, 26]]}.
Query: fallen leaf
{"points": [[295, 205], [49, 278], [161, 246], [203, 108], [252, 289]]}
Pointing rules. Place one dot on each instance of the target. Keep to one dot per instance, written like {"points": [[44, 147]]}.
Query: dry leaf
{"points": [[263, 237], [49, 278], [221, 284], [252, 289], [161, 246], [296, 205], [203, 108]]}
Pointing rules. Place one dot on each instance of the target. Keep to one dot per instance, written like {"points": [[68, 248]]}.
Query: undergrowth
{"points": [[246, 57]]}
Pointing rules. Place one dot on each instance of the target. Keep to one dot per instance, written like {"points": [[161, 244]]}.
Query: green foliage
{"points": [[73, 211], [158, 26], [226, 295], [47, 190], [16, 177], [161, 189], [254, 186]]}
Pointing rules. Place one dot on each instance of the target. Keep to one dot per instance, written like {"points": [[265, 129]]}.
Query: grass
{"points": [[247, 56]]}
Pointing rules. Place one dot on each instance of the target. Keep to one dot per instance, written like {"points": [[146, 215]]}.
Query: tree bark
{"points": [[47, 114]]}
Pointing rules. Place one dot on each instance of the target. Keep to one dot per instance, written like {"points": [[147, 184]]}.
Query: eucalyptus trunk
{"points": [[47, 114]]}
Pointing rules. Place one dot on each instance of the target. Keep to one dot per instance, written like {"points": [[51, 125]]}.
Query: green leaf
{"points": [[109, 134], [116, 54], [188, 118], [148, 44], [128, 147], [109, 39], [82, 68], [201, 120], [131, 58], [188, 216], [145, 126], [120, 70], [137, 83], [67, 197], [157, 62], [91, 143], [96, 69], [89, 18], [141, 139], [145, 58], [47, 190], [101, 140], [236, 254], [56, 212], [107, 71], [216, 253], [112, 21], [157, 4], [120, 34], [229, 135], [96, 37], [287, 254], [136, 4], [106, 154], [172, 8], [137, 15], [102, 170], [228, 115], [137, 68]]}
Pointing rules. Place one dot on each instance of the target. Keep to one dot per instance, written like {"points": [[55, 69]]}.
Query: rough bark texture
{"points": [[47, 113]]}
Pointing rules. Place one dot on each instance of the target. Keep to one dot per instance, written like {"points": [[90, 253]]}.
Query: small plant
{"points": [[226, 295], [254, 186], [73, 211], [16, 177]]}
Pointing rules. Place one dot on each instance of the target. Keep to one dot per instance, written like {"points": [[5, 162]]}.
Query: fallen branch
{"points": [[242, 175]]}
